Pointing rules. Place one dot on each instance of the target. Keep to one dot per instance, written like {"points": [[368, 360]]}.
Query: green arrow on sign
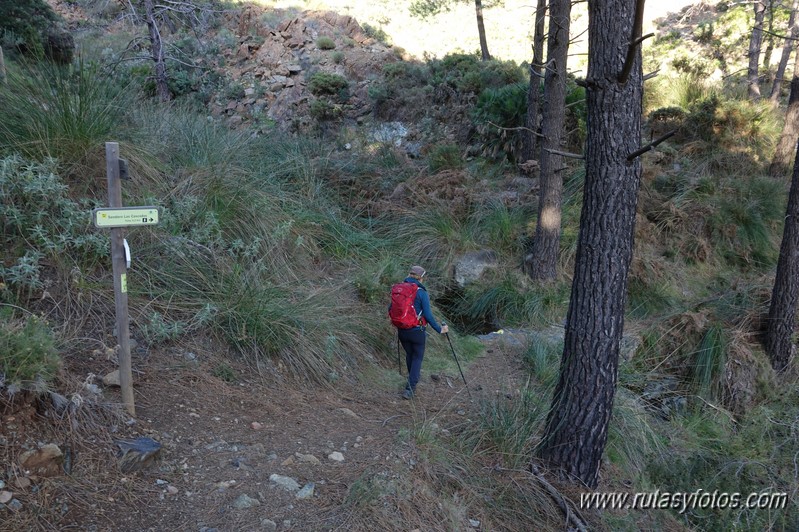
{"points": [[125, 216]]}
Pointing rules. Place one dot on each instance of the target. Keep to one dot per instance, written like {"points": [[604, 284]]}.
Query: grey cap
{"points": [[417, 270]]}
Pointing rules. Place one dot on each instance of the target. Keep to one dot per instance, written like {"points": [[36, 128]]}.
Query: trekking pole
{"points": [[399, 364], [459, 365]]}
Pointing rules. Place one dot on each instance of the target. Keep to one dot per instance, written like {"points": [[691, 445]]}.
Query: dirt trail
{"points": [[217, 467]]}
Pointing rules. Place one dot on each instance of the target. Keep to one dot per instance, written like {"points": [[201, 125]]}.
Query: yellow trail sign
{"points": [[125, 216]]}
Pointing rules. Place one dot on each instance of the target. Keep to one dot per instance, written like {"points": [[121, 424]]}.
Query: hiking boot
{"points": [[407, 394]]}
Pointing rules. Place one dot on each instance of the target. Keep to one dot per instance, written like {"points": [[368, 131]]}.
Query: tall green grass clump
{"points": [[507, 427], [508, 298], [246, 224], [717, 453], [61, 112], [709, 361], [542, 359]]}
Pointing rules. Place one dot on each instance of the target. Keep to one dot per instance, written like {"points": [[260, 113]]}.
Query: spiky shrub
{"points": [[66, 113], [28, 357], [498, 115]]}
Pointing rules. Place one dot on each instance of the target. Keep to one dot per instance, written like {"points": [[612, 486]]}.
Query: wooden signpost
{"points": [[116, 218]]}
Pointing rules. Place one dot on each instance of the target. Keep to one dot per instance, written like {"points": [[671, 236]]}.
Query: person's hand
{"points": [[444, 329]]}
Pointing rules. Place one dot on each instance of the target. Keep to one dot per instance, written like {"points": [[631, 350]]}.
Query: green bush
{"points": [[468, 74], [28, 357], [327, 84], [322, 110], [325, 43], [33, 28], [377, 33], [444, 156], [498, 114]]}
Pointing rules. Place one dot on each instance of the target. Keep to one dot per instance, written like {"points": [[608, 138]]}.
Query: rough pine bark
{"points": [[577, 425], [787, 48], [543, 259], [755, 43], [782, 311], [481, 30], [157, 53], [533, 93], [790, 129]]}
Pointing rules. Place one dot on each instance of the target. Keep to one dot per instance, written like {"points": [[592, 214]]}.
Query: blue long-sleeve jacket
{"points": [[422, 304]]}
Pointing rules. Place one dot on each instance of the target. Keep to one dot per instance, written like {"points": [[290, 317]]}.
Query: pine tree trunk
{"points": [[533, 93], [2, 66], [782, 311], [769, 36], [577, 425], [481, 30], [755, 43], [543, 260], [790, 130], [787, 48], [157, 53]]}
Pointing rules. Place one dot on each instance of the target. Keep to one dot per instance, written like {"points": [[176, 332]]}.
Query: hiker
{"points": [[410, 312]]}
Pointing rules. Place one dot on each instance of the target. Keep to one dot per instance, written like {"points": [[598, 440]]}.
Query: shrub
{"points": [[28, 356], [32, 27], [444, 156], [376, 33], [325, 43], [322, 110], [36, 211], [497, 113], [326, 84]]}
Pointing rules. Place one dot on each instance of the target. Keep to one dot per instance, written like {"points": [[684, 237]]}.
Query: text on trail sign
{"points": [[125, 216]]}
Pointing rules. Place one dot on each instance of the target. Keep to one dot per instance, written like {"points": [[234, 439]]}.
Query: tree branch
{"points": [[641, 151], [521, 128], [651, 75], [635, 41], [565, 154], [787, 38]]}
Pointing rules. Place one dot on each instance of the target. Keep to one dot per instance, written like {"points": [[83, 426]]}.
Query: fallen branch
{"points": [[572, 516]]}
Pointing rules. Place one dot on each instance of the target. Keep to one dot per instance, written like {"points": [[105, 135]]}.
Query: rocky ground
{"points": [[249, 454]]}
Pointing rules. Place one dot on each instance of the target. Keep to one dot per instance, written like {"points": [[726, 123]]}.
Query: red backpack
{"points": [[402, 312]]}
